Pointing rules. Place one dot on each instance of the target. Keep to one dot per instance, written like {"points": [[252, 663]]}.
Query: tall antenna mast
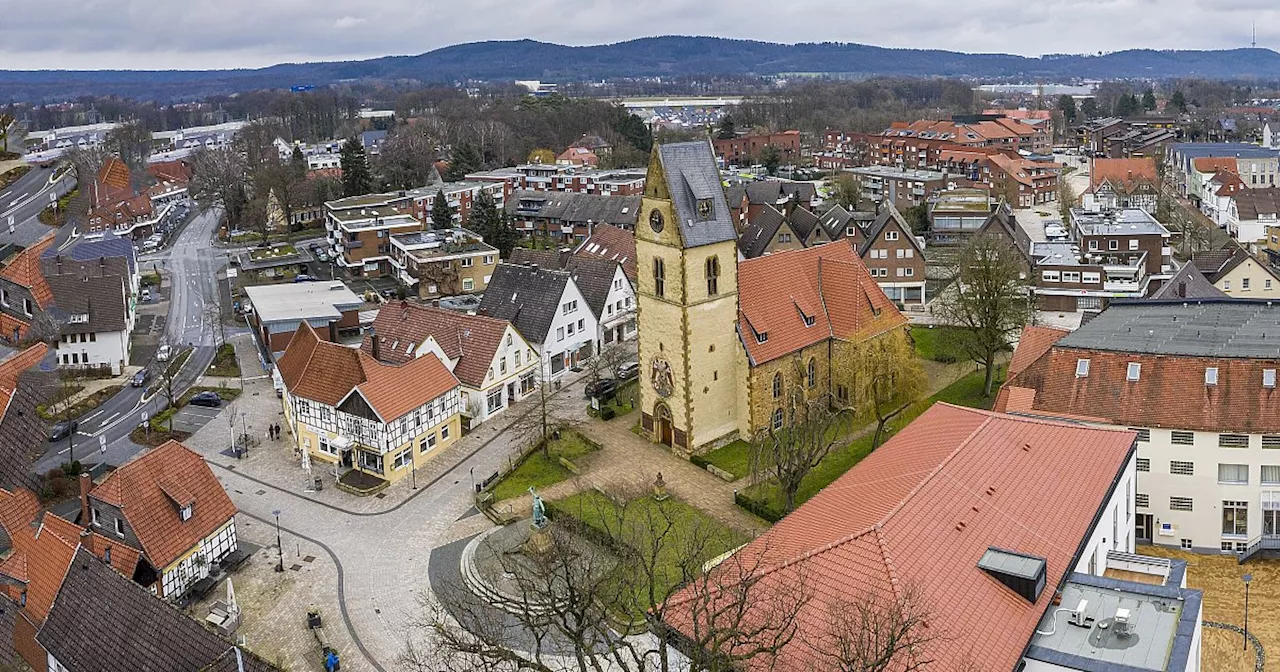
{"points": [[1254, 44]]}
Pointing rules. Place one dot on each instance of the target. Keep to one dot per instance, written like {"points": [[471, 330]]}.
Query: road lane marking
{"points": [[111, 417]]}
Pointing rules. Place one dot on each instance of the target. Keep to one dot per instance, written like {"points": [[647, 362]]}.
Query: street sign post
{"points": [[102, 444]]}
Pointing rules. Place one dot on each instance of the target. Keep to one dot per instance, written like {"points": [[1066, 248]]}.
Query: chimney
{"points": [[86, 484], [373, 338], [1182, 289]]}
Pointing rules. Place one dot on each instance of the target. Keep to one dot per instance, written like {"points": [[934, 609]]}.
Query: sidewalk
{"points": [[277, 463], [627, 463]]}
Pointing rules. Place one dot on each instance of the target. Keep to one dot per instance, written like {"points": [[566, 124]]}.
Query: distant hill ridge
{"points": [[655, 56]]}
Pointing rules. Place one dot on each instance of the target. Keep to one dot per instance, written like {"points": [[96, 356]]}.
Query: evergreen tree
{"points": [[1126, 105], [770, 157], [356, 178], [441, 212], [1067, 105], [298, 163], [1149, 100], [465, 160], [726, 130], [493, 224], [1089, 108], [1179, 101]]}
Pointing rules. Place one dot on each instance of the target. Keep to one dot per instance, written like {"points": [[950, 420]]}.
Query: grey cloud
{"points": [[253, 33]]}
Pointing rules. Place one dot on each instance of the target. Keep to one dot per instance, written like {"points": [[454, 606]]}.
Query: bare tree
{"points": [[874, 633], [989, 301], [625, 599], [131, 142], [219, 180], [406, 159], [807, 431], [87, 161]]}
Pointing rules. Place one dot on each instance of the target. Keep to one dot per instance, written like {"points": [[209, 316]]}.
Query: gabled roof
{"points": [[527, 297], [827, 283], [691, 175], [760, 232], [470, 340], [802, 222], [24, 271], [888, 215], [104, 298], [574, 208], [329, 373], [1212, 164], [1034, 342], [11, 371], [919, 513], [148, 490], [93, 248], [836, 221], [1252, 203], [594, 278], [1123, 174], [1217, 263], [613, 243], [772, 192], [1188, 283], [105, 622]]}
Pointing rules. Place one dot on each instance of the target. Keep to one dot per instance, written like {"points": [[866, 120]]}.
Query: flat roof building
{"points": [[329, 307]]}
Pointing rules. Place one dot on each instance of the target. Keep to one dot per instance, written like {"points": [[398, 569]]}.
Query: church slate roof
{"points": [[691, 175]]}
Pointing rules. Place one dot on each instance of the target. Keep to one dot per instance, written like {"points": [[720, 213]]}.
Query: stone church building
{"points": [[722, 341]]}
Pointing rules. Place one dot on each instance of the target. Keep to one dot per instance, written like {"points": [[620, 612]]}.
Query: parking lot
{"points": [[191, 418]]}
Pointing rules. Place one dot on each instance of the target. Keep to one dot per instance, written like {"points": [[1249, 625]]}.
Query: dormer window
{"points": [[1211, 375], [762, 337], [93, 517], [80, 318], [119, 527], [809, 320], [185, 512]]}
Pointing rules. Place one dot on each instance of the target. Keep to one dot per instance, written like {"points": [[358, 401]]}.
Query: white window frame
{"points": [[1082, 368], [1133, 373]]}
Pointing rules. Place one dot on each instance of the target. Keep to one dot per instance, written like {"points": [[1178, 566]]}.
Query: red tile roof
{"points": [[1125, 174], [827, 283], [11, 326], [918, 514], [11, 371], [470, 340], [328, 373], [47, 556], [24, 271], [1212, 164], [124, 559], [1169, 393], [1034, 342], [115, 182], [611, 242], [152, 514]]}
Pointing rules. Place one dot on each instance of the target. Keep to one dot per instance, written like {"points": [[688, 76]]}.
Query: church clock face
{"points": [[655, 221], [661, 378]]}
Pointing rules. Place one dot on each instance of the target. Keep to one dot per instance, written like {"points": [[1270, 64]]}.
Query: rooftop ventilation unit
{"points": [[1080, 615]]}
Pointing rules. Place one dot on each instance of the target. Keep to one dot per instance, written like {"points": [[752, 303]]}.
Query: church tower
{"points": [[693, 367]]}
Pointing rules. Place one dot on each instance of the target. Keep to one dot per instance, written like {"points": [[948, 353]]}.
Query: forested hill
{"points": [[670, 56]]}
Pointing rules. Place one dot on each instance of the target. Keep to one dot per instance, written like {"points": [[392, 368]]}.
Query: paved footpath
{"points": [[380, 547]]}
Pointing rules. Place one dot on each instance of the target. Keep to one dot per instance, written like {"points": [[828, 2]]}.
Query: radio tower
{"points": [[1254, 44]]}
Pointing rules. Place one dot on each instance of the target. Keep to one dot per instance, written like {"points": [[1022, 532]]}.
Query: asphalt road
{"points": [[193, 275], [24, 200]]}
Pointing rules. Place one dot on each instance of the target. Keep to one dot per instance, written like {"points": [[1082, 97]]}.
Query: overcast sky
{"points": [[204, 34]]}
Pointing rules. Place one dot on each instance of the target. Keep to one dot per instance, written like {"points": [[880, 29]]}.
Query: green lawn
{"points": [[932, 344], [539, 472], [637, 524], [274, 252], [225, 364], [54, 411], [766, 500], [734, 457]]}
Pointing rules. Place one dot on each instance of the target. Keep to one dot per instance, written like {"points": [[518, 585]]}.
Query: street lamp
{"points": [[1247, 578], [279, 545]]}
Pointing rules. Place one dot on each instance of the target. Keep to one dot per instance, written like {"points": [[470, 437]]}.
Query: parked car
{"points": [[162, 354], [140, 378], [628, 370], [146, 295], [322, 256], [62, 430], [210, 399], [601, 388], [303, 277]]}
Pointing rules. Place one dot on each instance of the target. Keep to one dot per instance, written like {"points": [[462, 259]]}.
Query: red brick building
{"points": [[747, 148]]}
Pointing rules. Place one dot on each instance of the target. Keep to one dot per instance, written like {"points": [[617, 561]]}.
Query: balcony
{"points": [[353, 244], [1267, 544], [1122, 286]]}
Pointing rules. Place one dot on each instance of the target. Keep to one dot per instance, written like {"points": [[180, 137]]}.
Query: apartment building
{"points": [[1121, 254], [564, 178], [361, 237], [1196, 380], [1256, 166], [746, 148], [957, 214], [569, 217], [443, 262], [904, 188], [895, 258]]}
